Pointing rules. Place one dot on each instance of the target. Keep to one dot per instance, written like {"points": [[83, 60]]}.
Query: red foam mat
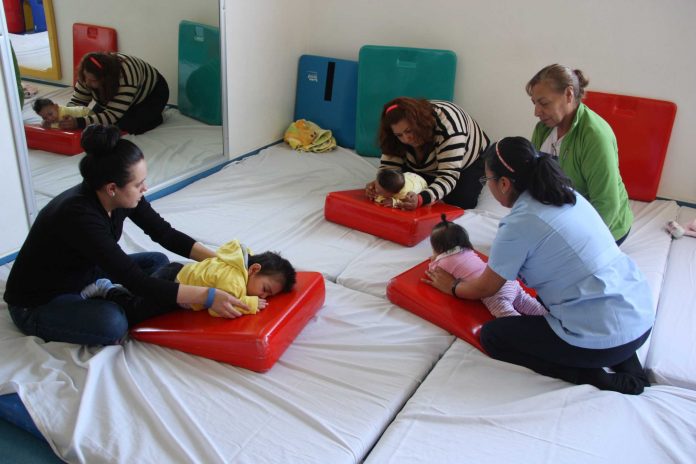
{"points": [[90, 38], [353, 209], [14, 14], [462, 318], [643, 127], [254, 342], [53, 140]]}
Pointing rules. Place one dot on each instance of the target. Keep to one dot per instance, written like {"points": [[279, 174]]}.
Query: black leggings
{"points": [[465, 194], [529, 341], [147, 114], [138, 309], [622, 239]]}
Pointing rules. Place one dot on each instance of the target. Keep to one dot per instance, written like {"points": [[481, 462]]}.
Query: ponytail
{"points": [[108, 157], [548, 184], [517, 159], [560, 77], [447, 235]]}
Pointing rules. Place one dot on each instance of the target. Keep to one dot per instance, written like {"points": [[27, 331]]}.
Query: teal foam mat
{"points": [[385, 73], [200, 82]]}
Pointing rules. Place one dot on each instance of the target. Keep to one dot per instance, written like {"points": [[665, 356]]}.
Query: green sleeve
{"points": [[539, 135], [599, 164], [20, 89]]}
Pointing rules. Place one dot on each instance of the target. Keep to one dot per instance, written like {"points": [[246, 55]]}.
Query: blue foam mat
{"points": [[13, 411], [326, 94]]}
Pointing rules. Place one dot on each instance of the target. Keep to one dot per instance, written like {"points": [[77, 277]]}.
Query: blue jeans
{"points": [[93, 321]]}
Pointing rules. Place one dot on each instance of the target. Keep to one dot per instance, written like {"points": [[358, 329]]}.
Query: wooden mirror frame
{"points": [[52, 73]]}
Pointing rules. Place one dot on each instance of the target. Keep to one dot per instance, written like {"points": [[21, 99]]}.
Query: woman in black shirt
{"points": [[74, 241]]}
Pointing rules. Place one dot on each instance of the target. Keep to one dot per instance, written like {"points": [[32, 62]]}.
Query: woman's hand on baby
{"points": [[225, 305], [410, 202], [370, 191], [67, 123], [440, 279], [388, 202]]}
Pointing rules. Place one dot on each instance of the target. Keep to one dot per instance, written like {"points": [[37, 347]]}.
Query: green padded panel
{"points": [[200, 83], [20, 446], [385, 73], [20, 89]]}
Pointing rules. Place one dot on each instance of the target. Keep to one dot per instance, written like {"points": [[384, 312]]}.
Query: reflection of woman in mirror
{"points": [[58, 288], [128, 92]]}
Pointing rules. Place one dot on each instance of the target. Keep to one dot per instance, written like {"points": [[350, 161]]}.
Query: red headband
{"points": [[391, 108], [96, 62], [497, 152]]}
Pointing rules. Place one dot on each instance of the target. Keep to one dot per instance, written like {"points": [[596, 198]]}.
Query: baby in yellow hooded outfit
{"points": [[251, 278], [52, 113]]}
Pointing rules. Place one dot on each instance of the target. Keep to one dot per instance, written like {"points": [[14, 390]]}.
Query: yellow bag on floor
{"points": [[303, 135]]}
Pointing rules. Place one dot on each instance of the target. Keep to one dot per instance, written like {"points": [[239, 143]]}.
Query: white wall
{"points": [[635, 47], [264, 41], [15, 224]]}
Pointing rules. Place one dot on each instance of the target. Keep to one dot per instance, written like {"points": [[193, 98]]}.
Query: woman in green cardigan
{"points": [[583, 142]]}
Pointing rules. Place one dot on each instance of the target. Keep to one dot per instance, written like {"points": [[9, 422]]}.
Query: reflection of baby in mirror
{"points": [[453, 252], [392, 186], [51, 112]]}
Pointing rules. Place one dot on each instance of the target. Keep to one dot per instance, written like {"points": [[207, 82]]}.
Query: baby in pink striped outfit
{"points": [[453, 252]]}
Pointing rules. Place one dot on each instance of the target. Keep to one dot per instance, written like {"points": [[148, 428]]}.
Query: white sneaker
{"points": [[98, 289], [676, 230]]}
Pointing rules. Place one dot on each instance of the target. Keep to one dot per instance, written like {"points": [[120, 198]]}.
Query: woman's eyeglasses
{"points": [[484, 179]]}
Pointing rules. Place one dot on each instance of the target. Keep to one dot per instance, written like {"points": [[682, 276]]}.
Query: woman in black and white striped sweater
{"points": [[128, 92], [439, 141]]}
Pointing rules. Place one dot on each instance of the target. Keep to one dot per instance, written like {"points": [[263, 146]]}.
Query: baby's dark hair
{"points": [[447, 235], [391, 180], [272, 264], [41, 103]]}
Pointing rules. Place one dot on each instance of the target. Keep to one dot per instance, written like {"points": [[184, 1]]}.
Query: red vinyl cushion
{"points": [[90, 38], [462, 318], [14, 14], [254, 342], [353, 209], [643, 127], [53, 140]]}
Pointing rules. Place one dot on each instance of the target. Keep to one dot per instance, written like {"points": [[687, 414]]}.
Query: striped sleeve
{"points": [[81, 95], [392, 162], [459, 141], [136, 82]]}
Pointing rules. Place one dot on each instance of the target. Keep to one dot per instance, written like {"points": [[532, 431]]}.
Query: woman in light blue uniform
{"points": [[600, 305]]}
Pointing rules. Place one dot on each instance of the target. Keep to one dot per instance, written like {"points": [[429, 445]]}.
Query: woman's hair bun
{"points": [[98, 139]]}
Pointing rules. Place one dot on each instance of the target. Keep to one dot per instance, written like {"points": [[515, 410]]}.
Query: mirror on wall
{"points": [[175, 36], [32, 31]]}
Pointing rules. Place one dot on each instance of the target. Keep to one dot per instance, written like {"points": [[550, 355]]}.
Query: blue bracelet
{"points": [[211, 297]]}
